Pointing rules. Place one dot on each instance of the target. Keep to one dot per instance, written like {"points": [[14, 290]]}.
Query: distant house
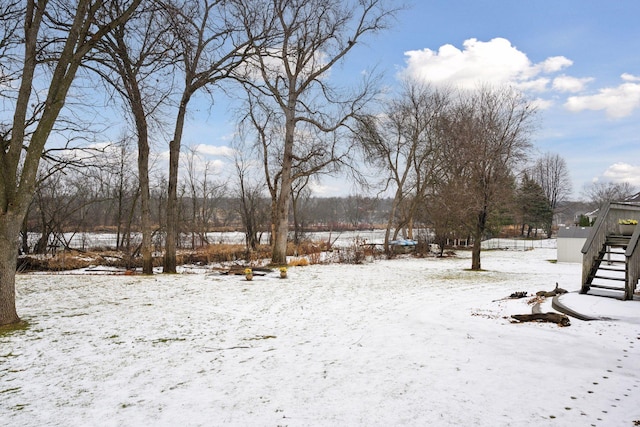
{"points": [[570, 243], [593, 215]]}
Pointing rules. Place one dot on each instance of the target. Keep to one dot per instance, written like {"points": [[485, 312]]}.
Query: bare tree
{"points": [[251, 203], [552, 174], [60, 194], [203, 193], [447, 208], [68, 31], [600, 193], [287, 80], [487, 138], [54, 204], [403, 143], [133, 61], [300, 193], [209, 47], [125, 192], [191, 162]]}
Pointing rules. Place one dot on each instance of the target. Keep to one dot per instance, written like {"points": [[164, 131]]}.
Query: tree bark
{"points": [[279, 255], [281, 220], [392, 216], [9, 231], [145, 208], [171, 225], [477, 240], [475, 255], [170, 262]]}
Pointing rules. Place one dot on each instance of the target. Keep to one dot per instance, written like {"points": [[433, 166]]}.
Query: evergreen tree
{"points": [[534, 207]]}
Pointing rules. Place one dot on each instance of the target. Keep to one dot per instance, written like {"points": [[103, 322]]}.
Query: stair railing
{"points": [[632, 258], [607, 223], [594, 243]]}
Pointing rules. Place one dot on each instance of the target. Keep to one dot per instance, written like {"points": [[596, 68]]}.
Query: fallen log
{"points": [[239, 270], [557, 318]]}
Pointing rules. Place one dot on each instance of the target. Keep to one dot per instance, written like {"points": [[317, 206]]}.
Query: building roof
{"points": [[574, 232], [633, 199]]}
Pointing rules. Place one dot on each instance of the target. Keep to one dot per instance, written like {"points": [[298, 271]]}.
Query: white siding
{"points": [[569, 249]]}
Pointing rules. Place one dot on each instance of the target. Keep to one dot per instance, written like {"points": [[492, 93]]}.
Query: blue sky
{"points": [[579, 61]]}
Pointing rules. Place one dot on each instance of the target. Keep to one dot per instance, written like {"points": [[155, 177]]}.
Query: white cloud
{"points": [[542, 104], [623, 172], [554, 64], [536, 85], [495, 62], [630, 77], [618, 101], [565, 83], [214, 150]]}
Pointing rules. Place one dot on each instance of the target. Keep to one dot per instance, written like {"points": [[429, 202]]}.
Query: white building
{"points": [[570, 243]]}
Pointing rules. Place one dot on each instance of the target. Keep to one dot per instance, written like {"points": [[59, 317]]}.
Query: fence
{"points": [[87, 241], [518, 244]]}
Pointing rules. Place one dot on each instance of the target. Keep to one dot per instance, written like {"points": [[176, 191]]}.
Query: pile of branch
{"points": [[537, 316], [553, 293], [515, 295]]}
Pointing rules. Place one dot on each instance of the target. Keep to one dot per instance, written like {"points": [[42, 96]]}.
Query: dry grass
{"points": [[306, 247], [302, 254], [299, 262], [65, 260]]}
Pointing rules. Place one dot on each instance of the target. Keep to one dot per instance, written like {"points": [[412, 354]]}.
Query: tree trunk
{"points": [[172, 192], [296, 226], [279, 255], [475, 254], [477, 240], [9, 230], [20, 168], [145, 209], [392, 214], [170, 262], [281, 218], [119, 215], [142, 129]]}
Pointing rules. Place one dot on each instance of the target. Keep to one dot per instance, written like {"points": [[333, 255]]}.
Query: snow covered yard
{"points": [[409, 342]]}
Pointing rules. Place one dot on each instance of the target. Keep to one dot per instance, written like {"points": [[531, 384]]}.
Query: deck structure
{"points": [[611, 255]]}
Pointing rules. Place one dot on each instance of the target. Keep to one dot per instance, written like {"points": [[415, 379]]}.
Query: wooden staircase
{"points": [[611, 261], [608, 270]]}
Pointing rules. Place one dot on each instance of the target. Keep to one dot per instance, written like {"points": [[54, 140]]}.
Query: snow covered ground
{"points": [[405, 342]]}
